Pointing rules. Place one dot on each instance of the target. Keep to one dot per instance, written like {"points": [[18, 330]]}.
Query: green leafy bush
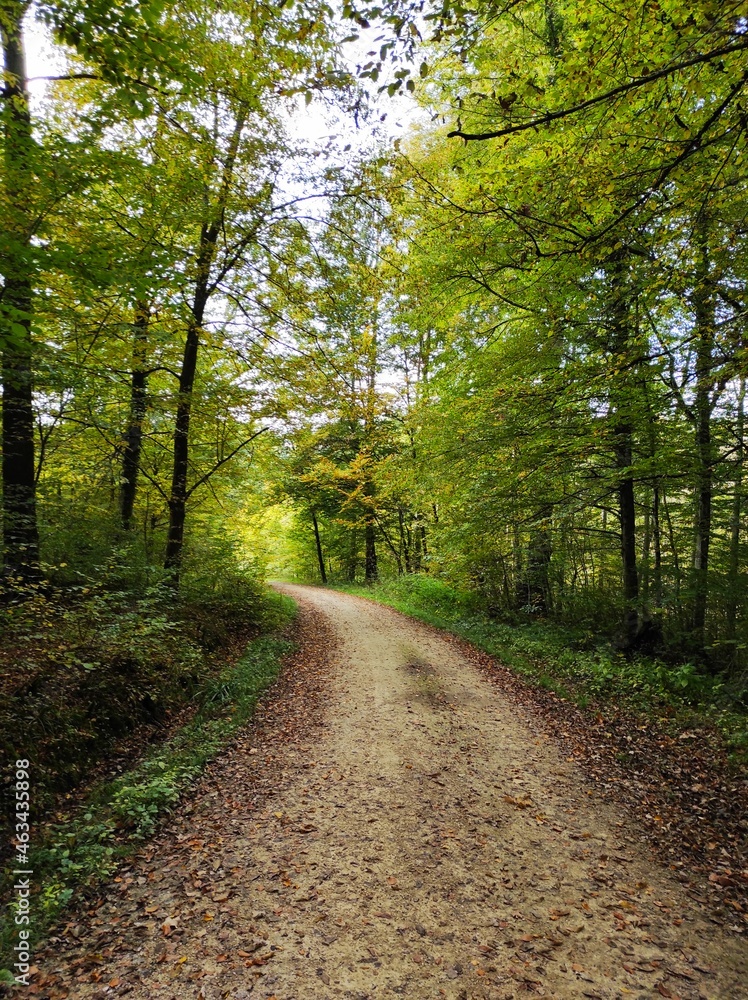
{"points": [[87, 845]]}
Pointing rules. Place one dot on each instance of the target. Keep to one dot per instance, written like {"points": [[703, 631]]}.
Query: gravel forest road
{"points": [[422, 839]]}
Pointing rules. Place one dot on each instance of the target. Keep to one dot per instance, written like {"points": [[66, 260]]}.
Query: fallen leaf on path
{"points": [[518, 803], [664, 991]]}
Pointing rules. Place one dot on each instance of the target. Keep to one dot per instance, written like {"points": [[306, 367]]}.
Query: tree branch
{"points": [[154, 482], [639, 81], [204, 479], [94, 76]]}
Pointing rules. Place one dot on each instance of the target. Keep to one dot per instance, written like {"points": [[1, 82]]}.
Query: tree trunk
{"points": [[704, 308], [622, 439], [654, 529], [733, 570], [318, 543], [20, 531], [657, 539], [353, 556], [178, 494], [627, 509], [674, 551], [138, 405], [371, 572], [404, 543], [539, 553]]}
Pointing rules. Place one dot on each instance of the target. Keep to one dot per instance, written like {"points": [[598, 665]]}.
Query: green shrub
{"points": [[86, 846]]}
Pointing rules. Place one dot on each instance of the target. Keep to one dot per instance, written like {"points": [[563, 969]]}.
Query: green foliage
{"points": [[79, 850], [84, 665]]}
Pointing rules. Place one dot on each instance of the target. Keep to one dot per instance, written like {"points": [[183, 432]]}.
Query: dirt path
{"points": [[423, 842]]}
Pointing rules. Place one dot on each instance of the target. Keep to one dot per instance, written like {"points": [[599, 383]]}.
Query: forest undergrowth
{"points": [[118, 696]]}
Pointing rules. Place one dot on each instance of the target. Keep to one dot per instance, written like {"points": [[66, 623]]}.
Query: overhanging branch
{"points": [[639, 81], [204, 479]]}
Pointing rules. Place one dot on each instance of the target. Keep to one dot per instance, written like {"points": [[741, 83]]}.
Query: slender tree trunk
{"points": [[20, 531], [505, 583], [674, 550], [704, 307], [518, 577], [138, 405], [318, 543], [627, 508], [405, 545], [353, 556], [622, 438], [537, 585], [371, 572], [657, 540], [178, 494], [644, 582], [654, 595], [417, 541], [733, 571]]}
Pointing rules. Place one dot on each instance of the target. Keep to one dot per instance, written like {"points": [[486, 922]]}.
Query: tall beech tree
{"points": [[203, 287], [20, 531]]}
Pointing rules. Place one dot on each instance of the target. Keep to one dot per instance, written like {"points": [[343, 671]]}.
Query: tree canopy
{"points": [[505, 347]]}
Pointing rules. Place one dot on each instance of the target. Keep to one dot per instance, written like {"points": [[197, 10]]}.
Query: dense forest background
{"points": [[539, 365], [253, 325]]}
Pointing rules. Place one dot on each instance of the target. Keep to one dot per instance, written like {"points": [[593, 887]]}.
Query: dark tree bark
{"points": [[657, 538], [371, 572], [133, 438], [704, 310], [627, 512], [20, 531], [318, 543], [178, 494], [733, 570], [622, 443], [537, 587]]}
